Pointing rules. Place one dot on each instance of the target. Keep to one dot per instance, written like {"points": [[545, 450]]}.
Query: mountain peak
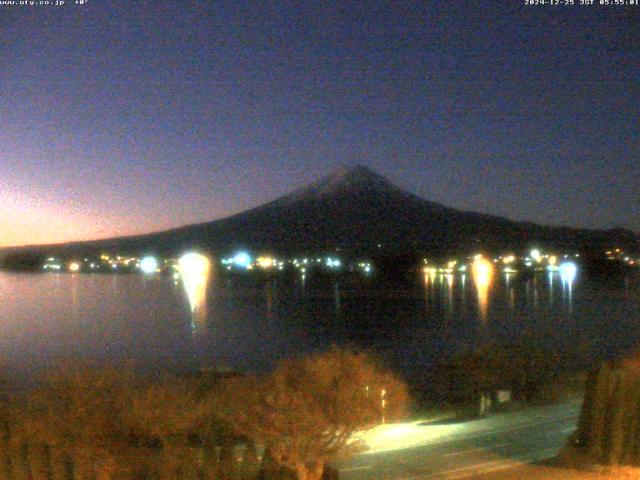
{"points": [[354, 172], [352, 169], [356, 178]]}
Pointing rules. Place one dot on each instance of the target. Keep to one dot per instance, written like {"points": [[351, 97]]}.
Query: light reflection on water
{"points": [[484, 282], [249, 324], [194, 272], [482, 272]]}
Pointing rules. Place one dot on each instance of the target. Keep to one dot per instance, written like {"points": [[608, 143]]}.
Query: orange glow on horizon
{"points": [[25, 221]]}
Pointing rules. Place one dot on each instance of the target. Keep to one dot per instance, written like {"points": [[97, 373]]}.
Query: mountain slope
{"points": [[358, 210]]}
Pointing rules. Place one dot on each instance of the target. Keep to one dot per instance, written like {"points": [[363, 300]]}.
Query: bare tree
{"points": [[307, 410]]}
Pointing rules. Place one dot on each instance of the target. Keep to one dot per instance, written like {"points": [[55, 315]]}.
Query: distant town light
{"points": [[333, 262], [74, 267], [266, 262], [242, 259], [508, 259], [149, 265], [535, 254]]}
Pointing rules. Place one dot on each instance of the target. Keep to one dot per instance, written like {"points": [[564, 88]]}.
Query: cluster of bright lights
{"points": [[509, 259], [365, 267], [450, 266], [447, 269], [241, 260], [616, 253], [244, 261], [52, 266], [619, 255], [333, 262], [266, 262]]}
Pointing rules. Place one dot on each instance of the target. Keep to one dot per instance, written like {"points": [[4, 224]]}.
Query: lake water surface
{"points": [[248, 324]]}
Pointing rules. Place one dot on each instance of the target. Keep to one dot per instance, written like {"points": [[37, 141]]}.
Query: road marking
{"points": [[475, 449], [355, 469]]}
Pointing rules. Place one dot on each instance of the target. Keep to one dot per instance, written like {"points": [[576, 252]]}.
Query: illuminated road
{"points": [[465, 449]]}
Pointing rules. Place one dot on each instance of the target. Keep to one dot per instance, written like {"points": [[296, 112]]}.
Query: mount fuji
{"points": [[357, 210]]}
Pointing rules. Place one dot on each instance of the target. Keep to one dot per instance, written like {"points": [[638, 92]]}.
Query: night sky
{"points": [[122, 117]]}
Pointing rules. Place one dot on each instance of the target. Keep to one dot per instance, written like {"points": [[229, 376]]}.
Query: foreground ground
{"points": [[516, 445]]}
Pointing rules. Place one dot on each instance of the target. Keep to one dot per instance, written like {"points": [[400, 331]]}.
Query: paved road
{"points": [[463, 449]]}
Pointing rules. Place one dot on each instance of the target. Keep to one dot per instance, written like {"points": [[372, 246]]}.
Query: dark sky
{"points": [[121, 117]]}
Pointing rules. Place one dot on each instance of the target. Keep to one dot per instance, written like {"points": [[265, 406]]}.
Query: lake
{"points": [[247, 323]]}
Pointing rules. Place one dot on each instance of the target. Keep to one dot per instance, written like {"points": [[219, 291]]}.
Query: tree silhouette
{"points": [[306, 411], [609, 426]]}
